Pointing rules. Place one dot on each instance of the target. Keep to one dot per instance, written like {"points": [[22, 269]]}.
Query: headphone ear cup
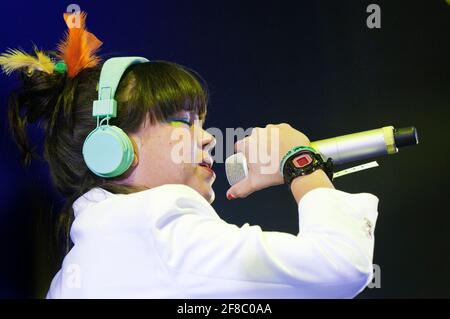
{"points": [[108, 151]]}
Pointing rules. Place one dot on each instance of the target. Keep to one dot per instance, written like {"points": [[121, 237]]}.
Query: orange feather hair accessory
{"points": [[79, 46]]}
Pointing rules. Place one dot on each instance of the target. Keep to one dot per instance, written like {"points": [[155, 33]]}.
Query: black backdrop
{"points": [[313, 64]]}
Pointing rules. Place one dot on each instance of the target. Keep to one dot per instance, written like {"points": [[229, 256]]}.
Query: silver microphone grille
{"points": [[236, 168]]}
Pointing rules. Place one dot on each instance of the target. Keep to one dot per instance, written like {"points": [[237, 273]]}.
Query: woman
{"points": [[151, 232]]}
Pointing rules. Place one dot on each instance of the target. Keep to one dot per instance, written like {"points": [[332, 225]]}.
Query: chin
{"points": [[204, 188], [209, 195]]}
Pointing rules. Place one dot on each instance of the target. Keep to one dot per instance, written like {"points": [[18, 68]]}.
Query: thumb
{"points": [[240, 190]]}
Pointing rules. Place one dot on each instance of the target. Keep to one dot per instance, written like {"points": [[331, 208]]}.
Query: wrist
{"points": [[301, 185]]}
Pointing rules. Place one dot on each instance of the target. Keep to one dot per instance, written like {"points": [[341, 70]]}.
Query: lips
{"points": [[207, 165]]}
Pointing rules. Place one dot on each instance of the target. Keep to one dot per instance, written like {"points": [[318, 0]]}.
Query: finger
{"points": [[240, 190], [241, 146]]}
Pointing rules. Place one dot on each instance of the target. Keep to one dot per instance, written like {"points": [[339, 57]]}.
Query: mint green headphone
{"points": [[107, 150]]}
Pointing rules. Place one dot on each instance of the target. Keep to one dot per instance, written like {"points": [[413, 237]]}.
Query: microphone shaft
{"points": [[358, 146]]}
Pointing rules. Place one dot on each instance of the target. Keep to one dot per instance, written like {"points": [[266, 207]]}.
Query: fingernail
{"points": [[230, 197]]}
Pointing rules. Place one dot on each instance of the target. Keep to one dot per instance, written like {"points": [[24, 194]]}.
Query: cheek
{"points": [[175, 170], [166, 161], [154, 160], [183, 148]]}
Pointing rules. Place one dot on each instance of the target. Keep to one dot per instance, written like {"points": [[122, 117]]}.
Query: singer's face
{"points": [[175, 153]]}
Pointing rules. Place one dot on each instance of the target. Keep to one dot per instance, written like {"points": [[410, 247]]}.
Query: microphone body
{"points": [[357, 146], [342, 149]]}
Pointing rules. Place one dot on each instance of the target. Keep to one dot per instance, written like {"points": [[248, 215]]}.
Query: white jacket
{"points": [[168, 242]]}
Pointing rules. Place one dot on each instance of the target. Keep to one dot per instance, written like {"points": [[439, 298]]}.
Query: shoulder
{"points": [[170, 191], [167, 196], [158, 196], [175, 199], [164, 200], [124, 211]]}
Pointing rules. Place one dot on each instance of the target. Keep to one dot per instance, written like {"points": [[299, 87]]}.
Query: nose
{"points": [[208, 141]]}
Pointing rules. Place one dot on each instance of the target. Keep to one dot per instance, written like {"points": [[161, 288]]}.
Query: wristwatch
{"points": [[303, 160]]}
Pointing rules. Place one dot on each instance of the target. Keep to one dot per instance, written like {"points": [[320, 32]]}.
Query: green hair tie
{"points": [[60, 67]]}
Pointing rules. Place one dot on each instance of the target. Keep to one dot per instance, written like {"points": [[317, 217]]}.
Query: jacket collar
{"points": [[95, 195]]}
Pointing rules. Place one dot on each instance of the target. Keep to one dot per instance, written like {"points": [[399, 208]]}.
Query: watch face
{"points": [[302, 160]]}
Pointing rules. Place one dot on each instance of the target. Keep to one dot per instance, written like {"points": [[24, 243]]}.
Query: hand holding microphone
{"points": [[261, 172], [247, 176]]}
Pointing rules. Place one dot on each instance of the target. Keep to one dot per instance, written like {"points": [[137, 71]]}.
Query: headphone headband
{"points": [[112, 71]]}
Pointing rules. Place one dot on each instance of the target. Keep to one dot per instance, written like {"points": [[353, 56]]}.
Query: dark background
{"points": [[313, 64]]}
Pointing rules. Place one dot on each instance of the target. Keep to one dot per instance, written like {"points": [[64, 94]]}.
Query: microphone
{"points": [[342, 149]]}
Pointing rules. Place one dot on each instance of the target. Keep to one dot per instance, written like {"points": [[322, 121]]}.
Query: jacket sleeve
{"points": [[330, 257]]}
